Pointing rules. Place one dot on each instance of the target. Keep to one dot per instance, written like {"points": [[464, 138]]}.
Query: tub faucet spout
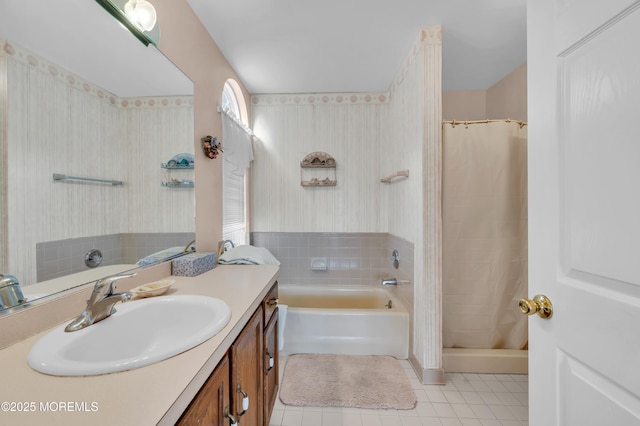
{"points": [[389, 281]]}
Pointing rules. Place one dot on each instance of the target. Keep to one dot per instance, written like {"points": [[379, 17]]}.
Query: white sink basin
{"points": [[140, 333]]}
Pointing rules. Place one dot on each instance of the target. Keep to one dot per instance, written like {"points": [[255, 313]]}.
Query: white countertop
{"points": [[158, 393]]}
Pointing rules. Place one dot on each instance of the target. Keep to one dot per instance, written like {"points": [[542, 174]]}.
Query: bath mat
{"points": [[378, 382]]}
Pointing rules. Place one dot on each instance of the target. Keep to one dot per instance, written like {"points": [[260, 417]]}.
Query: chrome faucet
{"points": [[222, 246], [389, 281], [101, 303], [189, 247], [10, 292]]}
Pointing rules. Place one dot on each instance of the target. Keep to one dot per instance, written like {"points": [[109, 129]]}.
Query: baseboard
{"points": [[427, 376], [488, 361]]}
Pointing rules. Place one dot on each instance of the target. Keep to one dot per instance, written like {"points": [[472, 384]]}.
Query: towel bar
{"points": [[57, 176], [400, 173]]}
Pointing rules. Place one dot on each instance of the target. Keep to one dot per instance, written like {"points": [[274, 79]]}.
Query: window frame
{"points": [[235, 225]]}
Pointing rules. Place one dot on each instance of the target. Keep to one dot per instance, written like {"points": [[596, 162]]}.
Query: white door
{"points": [[584, 211]]}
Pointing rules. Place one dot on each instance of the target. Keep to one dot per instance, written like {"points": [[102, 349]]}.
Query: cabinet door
{"points": [[212, 401], [247, 373], [270, 366], [270, 303]]}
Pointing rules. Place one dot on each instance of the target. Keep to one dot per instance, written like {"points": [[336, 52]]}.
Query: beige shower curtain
{"points": [[484, 235]]}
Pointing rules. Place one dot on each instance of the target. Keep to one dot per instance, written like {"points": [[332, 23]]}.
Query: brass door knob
{"points": [[540, 305]]}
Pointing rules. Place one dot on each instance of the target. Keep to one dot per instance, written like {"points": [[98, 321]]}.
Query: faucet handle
{"points": [[104, 286]]}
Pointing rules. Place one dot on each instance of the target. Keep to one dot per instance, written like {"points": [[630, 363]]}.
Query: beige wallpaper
{"points": [[352, 130], [58, 123], [154, 134]]}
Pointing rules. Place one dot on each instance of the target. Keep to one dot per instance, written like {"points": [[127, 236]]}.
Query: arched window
{"points": [[234, 187], [233, 101], [229, 100]]}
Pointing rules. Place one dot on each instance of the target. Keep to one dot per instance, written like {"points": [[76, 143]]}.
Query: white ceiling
{"points": [[295, 46]]}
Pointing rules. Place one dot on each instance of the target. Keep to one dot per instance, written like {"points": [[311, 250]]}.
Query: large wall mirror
{"points": [[81, 96]]}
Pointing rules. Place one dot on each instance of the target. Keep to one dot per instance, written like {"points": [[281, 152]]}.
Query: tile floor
{"points": [[465, 400]]}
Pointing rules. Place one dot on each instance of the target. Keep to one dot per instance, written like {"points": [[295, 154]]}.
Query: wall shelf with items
{"points": [[174, 183], [318, 169], [184, 162]]}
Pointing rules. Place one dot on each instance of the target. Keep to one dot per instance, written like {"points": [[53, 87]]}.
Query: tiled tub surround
{"points": [[351, 258], [64, 257]]}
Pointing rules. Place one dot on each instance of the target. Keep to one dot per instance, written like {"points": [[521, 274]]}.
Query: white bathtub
{"points": [[349, 321]]}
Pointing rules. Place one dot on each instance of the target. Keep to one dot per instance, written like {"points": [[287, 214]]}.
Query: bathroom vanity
{"points": [[245, 383], [206, 381]]}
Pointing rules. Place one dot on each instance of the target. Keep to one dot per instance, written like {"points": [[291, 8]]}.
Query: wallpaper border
{"points": [[24, 56]]}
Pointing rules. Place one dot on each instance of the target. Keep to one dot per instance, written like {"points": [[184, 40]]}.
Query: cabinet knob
{"points": [[272, 302]]}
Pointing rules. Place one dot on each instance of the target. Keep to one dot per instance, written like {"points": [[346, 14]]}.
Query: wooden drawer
{"points": [[270, 303], [271, 367]]}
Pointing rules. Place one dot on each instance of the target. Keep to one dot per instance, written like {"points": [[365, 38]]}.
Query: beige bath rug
{"points": [[377, 382]]}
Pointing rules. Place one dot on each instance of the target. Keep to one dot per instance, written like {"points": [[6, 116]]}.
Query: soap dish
{"points": [[152, 289]]}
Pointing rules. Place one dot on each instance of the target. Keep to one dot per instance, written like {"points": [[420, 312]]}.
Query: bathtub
{"points": [[346, 320]]}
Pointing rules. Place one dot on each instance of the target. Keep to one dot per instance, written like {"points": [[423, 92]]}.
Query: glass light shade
{"points": [[141, 13]]}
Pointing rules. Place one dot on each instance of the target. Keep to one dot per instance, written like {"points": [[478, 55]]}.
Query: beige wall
{"points": [[505, 99], [464, 105], [508, 97], [188, 45]]}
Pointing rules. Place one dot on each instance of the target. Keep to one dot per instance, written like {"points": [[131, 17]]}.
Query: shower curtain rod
{"points": [[454, 123]]}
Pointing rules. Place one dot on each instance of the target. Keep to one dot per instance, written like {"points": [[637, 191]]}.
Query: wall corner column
{"points": [[432, 189]]}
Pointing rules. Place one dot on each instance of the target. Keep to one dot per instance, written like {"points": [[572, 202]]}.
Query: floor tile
{"points": [[466, 399]]}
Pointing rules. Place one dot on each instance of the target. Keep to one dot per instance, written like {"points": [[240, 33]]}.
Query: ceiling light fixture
{"points": [[141, 13]]}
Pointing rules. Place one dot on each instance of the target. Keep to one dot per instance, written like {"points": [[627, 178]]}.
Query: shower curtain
{"points": [[484, 209]]}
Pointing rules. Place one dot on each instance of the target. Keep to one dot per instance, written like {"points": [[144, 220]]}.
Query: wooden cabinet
{"points": [[211, 403], [270, 303], [271, 367], [244, 385], [246, 373], [270, 342]]}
